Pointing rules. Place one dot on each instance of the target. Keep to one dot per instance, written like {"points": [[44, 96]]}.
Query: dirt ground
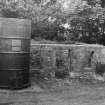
{"points": [[57, 92]]}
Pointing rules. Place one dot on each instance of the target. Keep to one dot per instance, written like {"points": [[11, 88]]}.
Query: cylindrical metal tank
{"points": [[14, 52]]}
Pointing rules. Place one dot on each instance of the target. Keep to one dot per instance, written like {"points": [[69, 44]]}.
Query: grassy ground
{"points": [[57, 92]]}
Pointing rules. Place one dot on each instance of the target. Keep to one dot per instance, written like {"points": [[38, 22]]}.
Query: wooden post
{"points": [[69, 62]]}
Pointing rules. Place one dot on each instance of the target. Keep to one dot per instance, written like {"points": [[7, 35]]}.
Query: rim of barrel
{"points": [[15, 18]]}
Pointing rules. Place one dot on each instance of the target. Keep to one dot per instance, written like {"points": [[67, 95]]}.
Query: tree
{"points": [[85, 18]]}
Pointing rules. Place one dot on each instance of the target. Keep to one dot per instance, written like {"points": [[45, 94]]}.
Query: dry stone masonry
{"points": [[70, 59]]}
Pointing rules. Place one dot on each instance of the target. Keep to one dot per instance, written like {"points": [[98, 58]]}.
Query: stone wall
{"points": [[69, 58]]}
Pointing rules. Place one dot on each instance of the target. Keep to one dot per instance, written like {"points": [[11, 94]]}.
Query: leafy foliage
{"points": [[77, 20]]}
